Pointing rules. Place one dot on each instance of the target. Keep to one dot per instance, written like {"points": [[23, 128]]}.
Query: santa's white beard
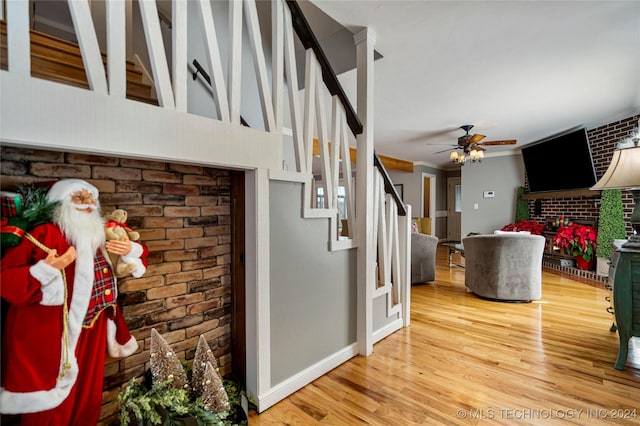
{"points": [[85, 231]]}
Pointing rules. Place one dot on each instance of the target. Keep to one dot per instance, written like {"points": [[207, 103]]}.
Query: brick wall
{"points": [[603, 141], [183, 215]]}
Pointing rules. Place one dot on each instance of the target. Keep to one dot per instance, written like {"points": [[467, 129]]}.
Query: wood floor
{"points": [[466, 361]]}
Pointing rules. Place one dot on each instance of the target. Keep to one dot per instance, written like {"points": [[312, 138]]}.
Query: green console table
{"points": [[626, 299]]}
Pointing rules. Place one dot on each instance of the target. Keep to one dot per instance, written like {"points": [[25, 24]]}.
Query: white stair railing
{"points": [[391, 231]]}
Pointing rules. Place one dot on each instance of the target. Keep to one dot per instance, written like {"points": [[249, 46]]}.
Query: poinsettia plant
{"points": [[525, 225], [578, 240]]}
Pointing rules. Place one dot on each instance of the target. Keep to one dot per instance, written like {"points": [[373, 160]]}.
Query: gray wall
{"points": [[313, 290], [412, 188], [503, 175], [380, 318]]}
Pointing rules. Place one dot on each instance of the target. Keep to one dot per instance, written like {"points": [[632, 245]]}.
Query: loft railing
{"points": [[172, 91]]}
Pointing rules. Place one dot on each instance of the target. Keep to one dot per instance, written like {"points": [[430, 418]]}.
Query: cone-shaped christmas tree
{"points": [[203, 355], [165, 364], [214, 396]]}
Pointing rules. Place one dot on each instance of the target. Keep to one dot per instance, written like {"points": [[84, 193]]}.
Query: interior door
{"points": [[454, 209], [426, 199]]}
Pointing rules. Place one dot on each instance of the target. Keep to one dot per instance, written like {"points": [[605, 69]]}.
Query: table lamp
{"points": [[624, 173]]}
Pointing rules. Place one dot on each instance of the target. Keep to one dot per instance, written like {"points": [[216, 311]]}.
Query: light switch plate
{"points": [[489, 194]]}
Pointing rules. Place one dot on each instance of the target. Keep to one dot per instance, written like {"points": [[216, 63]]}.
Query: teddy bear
{"points": [[116, 229]]}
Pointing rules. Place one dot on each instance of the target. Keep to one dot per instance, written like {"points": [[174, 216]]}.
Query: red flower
{"points": [[525, 225], [579, 240]]}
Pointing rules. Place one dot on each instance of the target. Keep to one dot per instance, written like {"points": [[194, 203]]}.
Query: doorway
{"points": [[429, 199], [454, 209]]}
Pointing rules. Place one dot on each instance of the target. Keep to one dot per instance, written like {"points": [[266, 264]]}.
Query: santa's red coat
{"points": [[32, 352]]}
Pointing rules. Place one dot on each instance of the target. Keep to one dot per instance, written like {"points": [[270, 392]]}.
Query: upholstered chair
{"points": [[504, 267], [423, 257]]}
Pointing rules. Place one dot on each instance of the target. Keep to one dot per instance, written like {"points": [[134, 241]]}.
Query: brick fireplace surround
{"points": [[603, 141], [183, 215]]}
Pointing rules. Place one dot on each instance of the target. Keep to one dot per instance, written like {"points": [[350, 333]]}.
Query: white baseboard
{"points": [[294, 383], [387, 330]]}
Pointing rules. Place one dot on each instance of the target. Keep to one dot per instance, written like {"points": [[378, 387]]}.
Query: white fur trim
{"points": [[140, 269], [82, 287], [133, 257], [30, 402], [136, 250], [115, 349], [65, 187], [33, 402], [52, 285]]}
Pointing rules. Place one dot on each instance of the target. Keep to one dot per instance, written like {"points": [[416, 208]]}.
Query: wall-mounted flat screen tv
{"points": [[560, 163]]}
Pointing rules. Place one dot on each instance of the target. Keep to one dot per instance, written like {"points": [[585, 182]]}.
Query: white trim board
{"points": [[282, 390]]}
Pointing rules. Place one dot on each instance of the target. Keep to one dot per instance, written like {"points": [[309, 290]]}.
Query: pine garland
{"points": [[165, 399], [37, 210]]}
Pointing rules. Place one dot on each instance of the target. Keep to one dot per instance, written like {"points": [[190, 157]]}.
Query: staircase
{"points": [[59, 60]]}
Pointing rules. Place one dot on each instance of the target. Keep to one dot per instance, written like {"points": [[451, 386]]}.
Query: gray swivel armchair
{"points": [[504, 267], [423, 257]]}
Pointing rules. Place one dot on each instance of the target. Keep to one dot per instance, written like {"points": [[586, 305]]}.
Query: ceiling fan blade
{"points": [[476, 138], [429, 135], [504, 142], [444, 150]]}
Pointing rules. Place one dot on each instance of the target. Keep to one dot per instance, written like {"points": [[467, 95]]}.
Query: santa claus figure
{"points": [[63, 316]]}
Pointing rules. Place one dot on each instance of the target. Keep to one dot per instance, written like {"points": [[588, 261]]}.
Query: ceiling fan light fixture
{"points": [[457, 158], [472, 148], [476, 155]]}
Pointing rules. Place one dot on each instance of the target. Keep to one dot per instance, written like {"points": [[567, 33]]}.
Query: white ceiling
{"points": [[520, 70]]}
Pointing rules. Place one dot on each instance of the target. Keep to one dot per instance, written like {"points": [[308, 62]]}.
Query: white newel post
{"points": [[365, 41]]}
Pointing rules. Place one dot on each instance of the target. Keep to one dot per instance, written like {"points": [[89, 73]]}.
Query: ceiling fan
{"points": [[469, 142]]}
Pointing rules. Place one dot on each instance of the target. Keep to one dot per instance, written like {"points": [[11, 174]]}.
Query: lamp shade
{"points": [[623, 172]]}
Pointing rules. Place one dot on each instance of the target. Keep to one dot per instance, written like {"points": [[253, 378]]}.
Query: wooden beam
{"points": [[390, 163]]}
